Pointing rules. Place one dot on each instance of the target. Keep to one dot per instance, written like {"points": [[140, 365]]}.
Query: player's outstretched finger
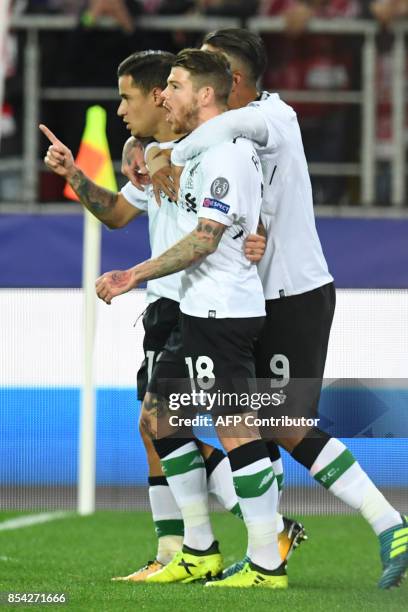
{"points": [[50, 135]]}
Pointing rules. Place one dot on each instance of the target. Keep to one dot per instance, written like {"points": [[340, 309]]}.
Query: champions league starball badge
{"points": [[220, 187]]}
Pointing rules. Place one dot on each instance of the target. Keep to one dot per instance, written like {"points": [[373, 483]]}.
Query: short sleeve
{"points": [[277, 115], [241, 123], [134, 196], [227, 170]]}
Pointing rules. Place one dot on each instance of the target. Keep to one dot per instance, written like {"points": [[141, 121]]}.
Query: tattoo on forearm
{"points": [[208, 230], [97, 200], [200, 243]]}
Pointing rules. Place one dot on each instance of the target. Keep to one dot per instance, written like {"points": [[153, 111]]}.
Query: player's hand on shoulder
{"points": [[176, 172], [133, 163], [158, 162], [162, 182], [112, 284], [58, 158], [254, 247]]}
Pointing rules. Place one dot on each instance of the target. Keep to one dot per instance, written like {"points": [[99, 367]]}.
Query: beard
{"points": [[187, 120]]}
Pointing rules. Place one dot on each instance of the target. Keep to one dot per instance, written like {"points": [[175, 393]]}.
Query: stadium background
{"points": [[40, 269]]}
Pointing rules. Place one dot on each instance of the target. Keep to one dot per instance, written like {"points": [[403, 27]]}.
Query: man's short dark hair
{"points": [[148, 69], [245, 46], [207, 69]]}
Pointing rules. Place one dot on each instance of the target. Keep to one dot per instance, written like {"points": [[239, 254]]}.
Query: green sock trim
{"points": [[236, 511], [328, 475], [254, 485], [279, 480], [183, 464], [172, 527]]}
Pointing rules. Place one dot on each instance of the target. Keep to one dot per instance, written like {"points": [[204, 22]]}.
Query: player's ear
{"points": [[207, 95], [237, 77], [156, 93]]}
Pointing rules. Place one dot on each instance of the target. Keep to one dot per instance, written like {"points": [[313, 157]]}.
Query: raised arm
{"points": [[111, 208], [246, 122]]}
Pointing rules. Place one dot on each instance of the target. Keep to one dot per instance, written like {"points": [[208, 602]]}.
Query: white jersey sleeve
{"points": [[227, 178], [245, 122], [135, 197], [278, 117], [267, 129]]}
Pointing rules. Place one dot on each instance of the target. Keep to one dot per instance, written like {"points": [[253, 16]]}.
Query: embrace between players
{"points": [[216, 319]]}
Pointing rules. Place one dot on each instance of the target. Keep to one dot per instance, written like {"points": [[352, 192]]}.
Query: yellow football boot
{"points": [[141, 574], [188, 567]]}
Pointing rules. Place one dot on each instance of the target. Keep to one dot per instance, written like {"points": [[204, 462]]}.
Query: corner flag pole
{"points": [[94, 159], [87, 441], [4, 21]]}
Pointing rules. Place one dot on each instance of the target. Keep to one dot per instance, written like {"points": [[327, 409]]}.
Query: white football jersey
{"points": [[164, 232], [293, 262], [223, 184]]}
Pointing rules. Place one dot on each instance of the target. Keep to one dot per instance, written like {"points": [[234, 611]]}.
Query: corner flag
{"points": [[94, 155], [95, 160]]}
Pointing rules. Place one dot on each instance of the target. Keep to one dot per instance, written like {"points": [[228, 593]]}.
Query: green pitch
{"points": [[337, 569]]}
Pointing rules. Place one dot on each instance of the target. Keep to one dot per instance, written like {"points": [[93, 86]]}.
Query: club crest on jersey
{"points": [[220, 187], [190, 179], [216, 205]]}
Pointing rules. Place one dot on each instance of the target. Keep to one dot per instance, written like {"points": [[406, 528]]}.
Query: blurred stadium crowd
{"points": [[88, 56]]}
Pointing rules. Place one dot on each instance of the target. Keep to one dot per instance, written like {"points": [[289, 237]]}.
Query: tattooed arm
{"points": [[201, 242], [111, 208], [195, 246]]}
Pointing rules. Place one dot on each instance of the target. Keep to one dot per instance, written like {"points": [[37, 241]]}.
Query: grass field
{"points": [[337, 569]]}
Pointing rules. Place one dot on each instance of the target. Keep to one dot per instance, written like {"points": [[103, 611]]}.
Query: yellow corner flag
{"points": [[94, 155]]}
